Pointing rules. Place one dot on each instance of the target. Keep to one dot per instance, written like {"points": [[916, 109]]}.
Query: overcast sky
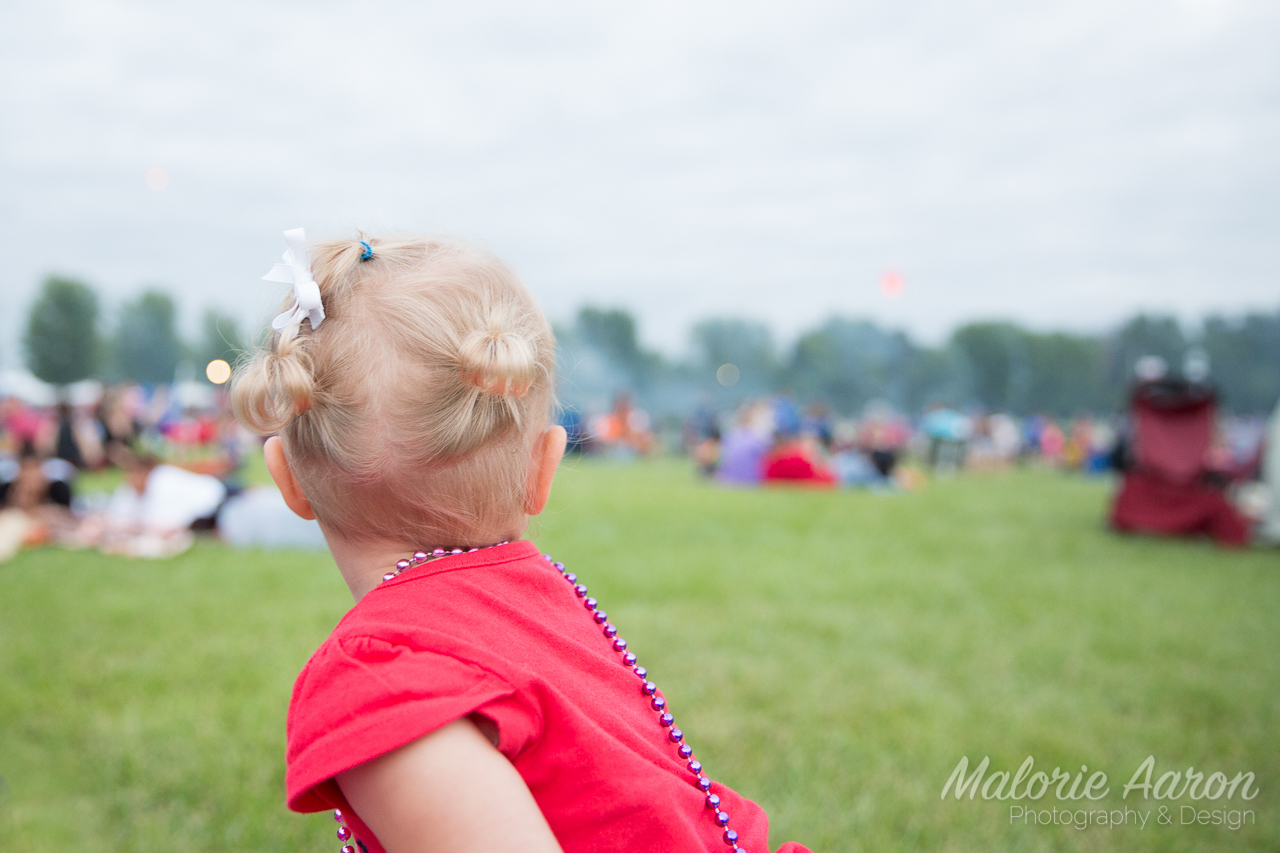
{"points": [[1059, 163]]}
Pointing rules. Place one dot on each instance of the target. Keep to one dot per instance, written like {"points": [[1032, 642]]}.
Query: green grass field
{"points": [[831, 655]]}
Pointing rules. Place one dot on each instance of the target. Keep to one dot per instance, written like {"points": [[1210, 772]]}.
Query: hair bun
{"points": [[497, 359], [274, 388]]}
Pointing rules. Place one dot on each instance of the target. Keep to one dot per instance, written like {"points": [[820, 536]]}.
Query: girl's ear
{"points": [[547, 452], [278, 466]]}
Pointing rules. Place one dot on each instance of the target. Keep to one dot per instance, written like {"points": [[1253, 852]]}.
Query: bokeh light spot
{"points": [[156, 178], [218, 371], [727, 375], [892, 285]]}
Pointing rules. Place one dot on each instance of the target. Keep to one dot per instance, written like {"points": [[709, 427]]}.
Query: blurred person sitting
{"points": [[701, 423], [707, 453], [1052, 442], [855, 468], [1006, 437], [817, 423], [798, 460], [36, 496], [1075, 452], [881, 438], [67, 444], [1032, 430], [744, 446], [30, 481], [157, 496], [624, 431], [23, 424], [948, 433], [115, 422], [152, 513], [786, 414], [1102, 439]]}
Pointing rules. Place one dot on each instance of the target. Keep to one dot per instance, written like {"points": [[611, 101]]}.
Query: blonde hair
{"points": [[411, 411]]}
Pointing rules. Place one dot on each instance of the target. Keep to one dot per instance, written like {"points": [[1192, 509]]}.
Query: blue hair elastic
{"points": [[368, 251]]}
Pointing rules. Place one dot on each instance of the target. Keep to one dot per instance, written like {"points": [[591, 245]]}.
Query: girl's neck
{"points": [[364, 562]]}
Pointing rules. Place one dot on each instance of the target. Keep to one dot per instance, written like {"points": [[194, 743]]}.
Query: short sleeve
{"points": [[361, 697]]}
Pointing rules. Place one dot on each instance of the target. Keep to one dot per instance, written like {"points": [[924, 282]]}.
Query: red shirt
{"points": [[793, 463], [501, 633]]}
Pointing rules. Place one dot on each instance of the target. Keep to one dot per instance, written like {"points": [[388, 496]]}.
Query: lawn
{"points": [[831, 655]]}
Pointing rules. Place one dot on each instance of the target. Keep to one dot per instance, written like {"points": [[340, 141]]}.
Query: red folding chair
{"points": [[1168, 486]]}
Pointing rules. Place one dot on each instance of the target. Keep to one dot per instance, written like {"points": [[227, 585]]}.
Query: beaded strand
{"points": [[420, 557], [344, 833], [657, 703], [628, 659]]}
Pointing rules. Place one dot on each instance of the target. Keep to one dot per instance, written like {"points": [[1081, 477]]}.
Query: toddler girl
{"points": [[476, 698]]}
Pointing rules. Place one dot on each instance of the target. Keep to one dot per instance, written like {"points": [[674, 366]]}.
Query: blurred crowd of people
{"points": [[769, 440], [177, 465], [1229, 470], [772, 439]]}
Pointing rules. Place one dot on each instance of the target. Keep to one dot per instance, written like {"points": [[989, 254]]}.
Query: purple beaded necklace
{"points": [[420, 557], [628, 659]]}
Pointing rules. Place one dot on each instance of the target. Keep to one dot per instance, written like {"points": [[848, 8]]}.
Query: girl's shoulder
{"points": [[363, 696], [411, 656]]}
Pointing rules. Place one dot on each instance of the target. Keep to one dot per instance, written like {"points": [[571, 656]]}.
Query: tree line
{"points": [[66, 339], [843, 363], [846, 363]]}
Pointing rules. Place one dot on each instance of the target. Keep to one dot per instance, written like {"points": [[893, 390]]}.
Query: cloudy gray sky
{"points": [[1059, 163]]}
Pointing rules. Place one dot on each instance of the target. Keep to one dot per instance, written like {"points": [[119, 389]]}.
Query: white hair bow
{"points": [[296, 270]]}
